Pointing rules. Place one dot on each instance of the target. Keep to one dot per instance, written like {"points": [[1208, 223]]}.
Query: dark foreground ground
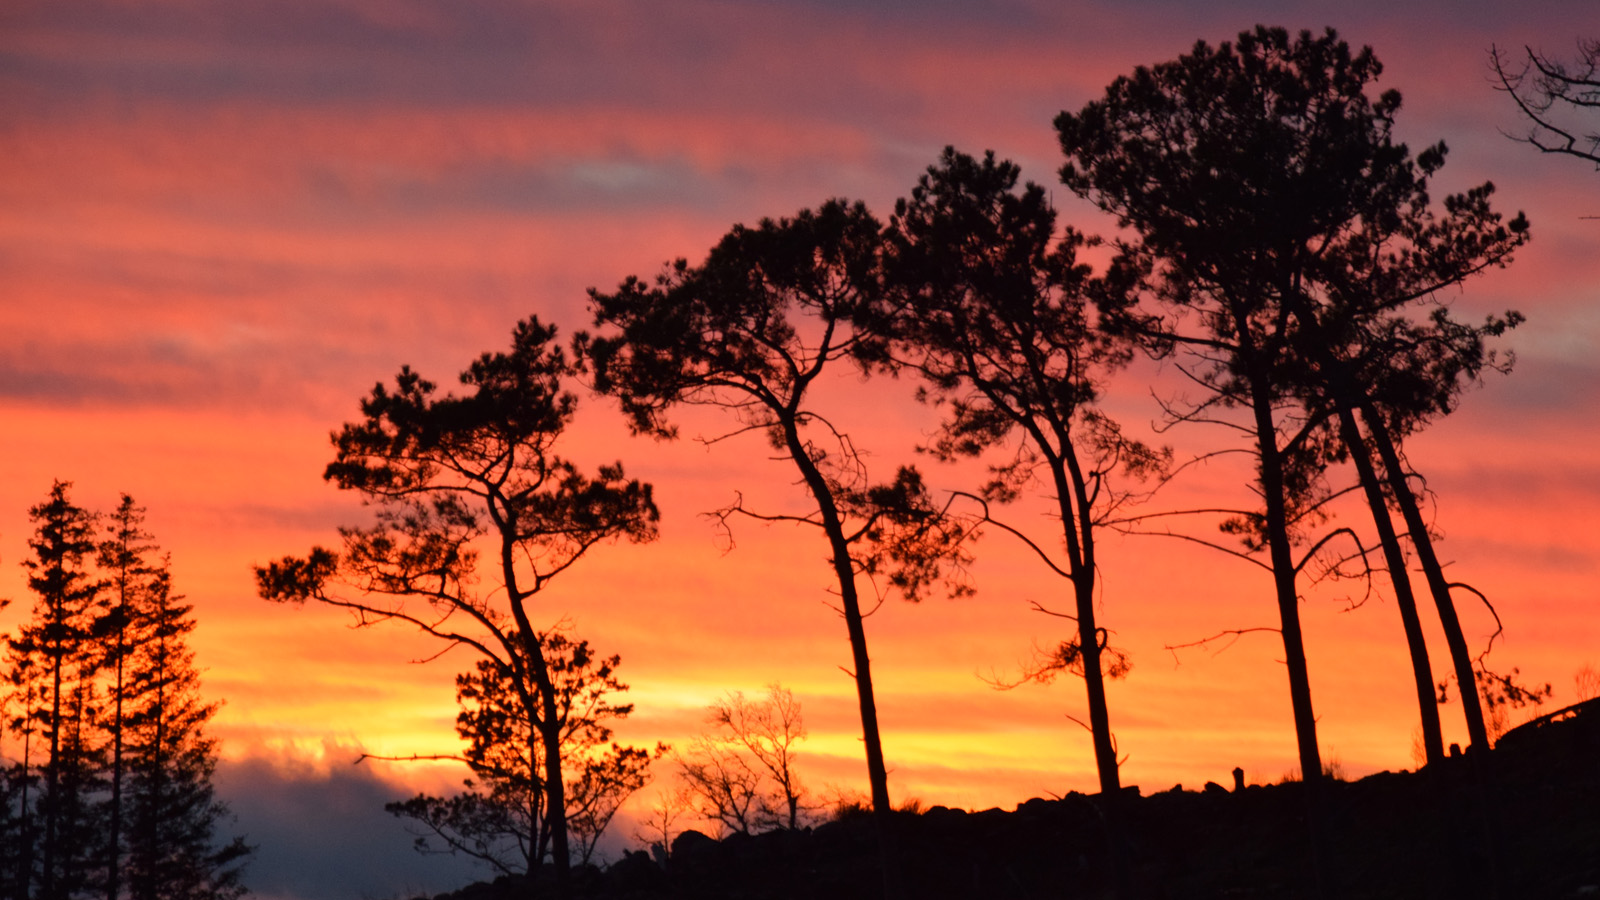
{"points": [[1520, 822]]}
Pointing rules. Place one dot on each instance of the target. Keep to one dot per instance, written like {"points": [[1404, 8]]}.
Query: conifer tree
{"points": [[171, 806], [52, 674], [112, 795], [123, 560], [16, 855]]}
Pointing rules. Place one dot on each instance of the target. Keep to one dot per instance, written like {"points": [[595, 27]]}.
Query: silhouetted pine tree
{"points": [[52, 676], [171, 808], [502, 819], [123, 560], [21, 780], [112, 794]]}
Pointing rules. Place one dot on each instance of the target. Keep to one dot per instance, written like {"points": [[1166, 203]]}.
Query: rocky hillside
{"points": [[1520, 822]]}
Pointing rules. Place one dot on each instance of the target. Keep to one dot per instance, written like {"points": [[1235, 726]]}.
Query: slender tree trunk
{"points": [[555, 788], [52, 778], [1339, 382], [849, 601], [1080, 554], [1283, 577], [114, 844], [1460, 656], [555, 816], [1294, 654], [157, 811], [1077, 532], [877, 772], [1105, 754], [24, 874], [549, 736], [1394, 558]]}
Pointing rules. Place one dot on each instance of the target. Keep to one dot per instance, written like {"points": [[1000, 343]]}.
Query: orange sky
{"points": [[218, 230]]}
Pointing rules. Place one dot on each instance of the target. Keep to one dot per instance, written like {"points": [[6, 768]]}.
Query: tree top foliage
{"points": [[1263, 181], [1271, 144], [448, 469], [750, 328]]}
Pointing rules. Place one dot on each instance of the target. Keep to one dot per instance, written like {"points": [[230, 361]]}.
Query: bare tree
{"points": [[769, 730], [1554, 96], [1586, 682], [657, 828], [723, 788]]}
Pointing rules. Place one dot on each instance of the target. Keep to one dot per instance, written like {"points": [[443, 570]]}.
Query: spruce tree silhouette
{"points": [[102, 673], [122, 556], [170, 848], [449, 475], [51, 668]]}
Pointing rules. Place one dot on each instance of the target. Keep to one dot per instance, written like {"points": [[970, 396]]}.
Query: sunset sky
{"points": [[222, 223]]}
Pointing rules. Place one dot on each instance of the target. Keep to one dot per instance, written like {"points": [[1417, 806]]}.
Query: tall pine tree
{"points": [[52, 674], [172, 810], [112, 796], [128, 574]]}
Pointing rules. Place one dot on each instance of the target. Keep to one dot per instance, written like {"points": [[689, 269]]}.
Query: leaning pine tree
{"points": [[774, 312], [1268, 195]]}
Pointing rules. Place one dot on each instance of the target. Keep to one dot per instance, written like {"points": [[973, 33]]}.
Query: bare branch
{"points": [[1232, 633]]}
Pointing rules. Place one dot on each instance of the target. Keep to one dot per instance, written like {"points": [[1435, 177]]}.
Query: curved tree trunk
{"points": [[1339, 383], [1079, 537], [850, 603], [549, 728], [549, 737], [1080, 545], [555, 787], [1460, 656], [1394, 558]]}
